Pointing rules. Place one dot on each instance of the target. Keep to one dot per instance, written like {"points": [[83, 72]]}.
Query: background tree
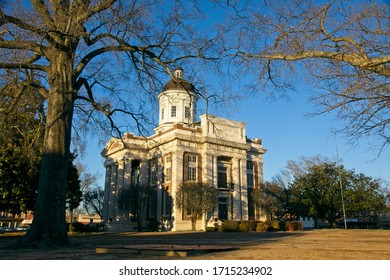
{"points": [[92, 192], [74, 194], [340, 47], [317, 194], [93, 200], [21, 133], [18, 181], [271, 198], [22, 115], [22, 124], [296, 168], [196, 199], [88, 180], [365, 198], [75, 45]]}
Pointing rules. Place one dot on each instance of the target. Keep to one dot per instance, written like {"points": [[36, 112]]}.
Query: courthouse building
{"points": [[213, 149]]}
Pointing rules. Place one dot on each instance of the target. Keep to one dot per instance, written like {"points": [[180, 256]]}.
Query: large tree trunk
{"points": [[194, 217], [48, 229]]}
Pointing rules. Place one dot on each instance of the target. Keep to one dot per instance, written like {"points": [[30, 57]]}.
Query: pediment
{"points": [[113, 145]]}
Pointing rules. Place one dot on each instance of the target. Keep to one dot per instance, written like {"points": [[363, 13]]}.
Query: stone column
{"points": [[214, 178], [177, 179], [244, 190], [214, 171], [119, 187], [260, 167], [127, 173], [113, 191], [208, 168], [260, 180], [107, 186], [236, 196], [159, 183]]}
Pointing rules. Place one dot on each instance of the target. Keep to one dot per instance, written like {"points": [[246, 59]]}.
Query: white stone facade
{"points": [[214, 150]]}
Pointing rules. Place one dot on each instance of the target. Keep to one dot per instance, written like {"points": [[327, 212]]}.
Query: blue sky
{"points": [[287, 134]]}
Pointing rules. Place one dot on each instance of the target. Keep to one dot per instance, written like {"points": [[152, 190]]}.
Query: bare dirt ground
{"points": [[329, 244]]}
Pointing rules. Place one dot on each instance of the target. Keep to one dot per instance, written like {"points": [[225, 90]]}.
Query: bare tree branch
{"points": [[343, 49]]}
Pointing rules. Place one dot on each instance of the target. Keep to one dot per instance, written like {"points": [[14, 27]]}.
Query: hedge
{"points": [[246, 226], [231, 226], [278, 225], [262, 226]]}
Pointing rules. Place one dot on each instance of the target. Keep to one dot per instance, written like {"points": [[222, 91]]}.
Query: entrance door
{"points": [[222, 208]]}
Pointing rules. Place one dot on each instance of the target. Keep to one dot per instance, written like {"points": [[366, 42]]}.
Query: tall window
{"points": [[224, 173], [153, 172], [192, 168], [167, 174], [134, 180], [249, 173], [173, 111], [192, 158], [251, 205], [222, 177], [167, 204], [222, 208], [168, 169], [162, 113], [191, 173], [153, 202], [250, 167]]}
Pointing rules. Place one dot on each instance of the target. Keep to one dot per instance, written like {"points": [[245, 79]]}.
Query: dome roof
{"points": [[180, 83]]}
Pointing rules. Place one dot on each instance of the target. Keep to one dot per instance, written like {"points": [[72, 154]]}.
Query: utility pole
{"points": [[340, 182]]}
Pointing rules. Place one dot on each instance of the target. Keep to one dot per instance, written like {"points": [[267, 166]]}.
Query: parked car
{"points": [[3, 229]]}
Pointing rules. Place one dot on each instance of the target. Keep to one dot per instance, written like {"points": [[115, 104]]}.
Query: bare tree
{"points": [[341, 47], [93, 201], [88, 180], [271, 198], [297, 168], [196, 199], [84, 50]]}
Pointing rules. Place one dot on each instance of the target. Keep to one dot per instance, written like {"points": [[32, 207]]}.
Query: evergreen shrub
{"points": [[245, 226], [231, 226], [253, 225], [277, 225], [262, 226]]}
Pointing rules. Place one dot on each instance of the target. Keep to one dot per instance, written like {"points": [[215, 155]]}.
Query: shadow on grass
{"points": [[84, 244]]}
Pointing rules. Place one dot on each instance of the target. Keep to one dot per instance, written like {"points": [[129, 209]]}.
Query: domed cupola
{"points": [[180, 83], [177, 101]]}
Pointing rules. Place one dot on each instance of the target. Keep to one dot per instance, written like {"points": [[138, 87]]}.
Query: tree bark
{"points": [[48, 229], [193, 221]]}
